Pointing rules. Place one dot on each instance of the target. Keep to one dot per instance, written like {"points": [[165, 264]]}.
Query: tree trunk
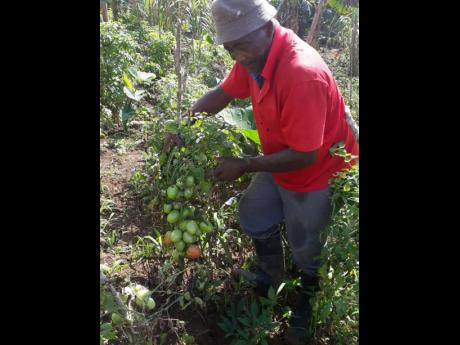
{"points": [[115, 9], [311, 38], [292, 13], [354, 49], [177, 58], [105, 15]]}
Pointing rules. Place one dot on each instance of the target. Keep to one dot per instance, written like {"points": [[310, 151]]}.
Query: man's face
{"points": [[251, 50]]}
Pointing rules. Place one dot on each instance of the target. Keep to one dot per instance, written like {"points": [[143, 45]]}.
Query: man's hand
{"points": [[171, 140], [230, 168]]}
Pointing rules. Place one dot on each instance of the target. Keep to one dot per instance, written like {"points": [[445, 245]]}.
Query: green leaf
{"points": [[127, 82], [141, 76], [241, 118], [340, 7], [254, 308], [109, 303], [271, 294], [198, 173], [106, 327], [241, 306], [145, 76], [136, 95], [133, 72], [244, 321], [250, 134], [243, 333], [223, 327], [127, 113], [239, 342], [208, 39]]}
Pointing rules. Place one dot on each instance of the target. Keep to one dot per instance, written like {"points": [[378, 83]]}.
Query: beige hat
{"points": [[237, 18]]}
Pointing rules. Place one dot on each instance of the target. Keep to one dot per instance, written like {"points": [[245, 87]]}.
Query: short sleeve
{"points": [[236, 84], [303, 117]]}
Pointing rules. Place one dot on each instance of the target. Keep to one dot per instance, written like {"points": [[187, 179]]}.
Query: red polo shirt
{"points": [[299, 107]]}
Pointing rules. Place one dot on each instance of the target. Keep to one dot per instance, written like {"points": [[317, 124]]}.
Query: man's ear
{"points": [[269, 27]]}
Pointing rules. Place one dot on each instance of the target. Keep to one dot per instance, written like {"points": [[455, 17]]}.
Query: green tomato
{"points": [[173, 216], [205, 227], [117, 318], [139, 302], [176, 235], [142, 293], [183, 225], [188, 238], [172, 192], [190, 181], [167, 208], [188, 193], [180, 183], [150, 303], [186, 213], [205, 186], [192, 227], [180, 246]]}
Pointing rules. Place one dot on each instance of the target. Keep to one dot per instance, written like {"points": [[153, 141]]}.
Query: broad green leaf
{"points": [[241, 118], [127, 113], [127, 81], [145, 76], [251, 134], [136, 95], [133, 72]]}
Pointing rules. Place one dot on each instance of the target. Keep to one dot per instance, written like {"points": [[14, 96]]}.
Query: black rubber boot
{"points": [[298, 332], [270, 268]]}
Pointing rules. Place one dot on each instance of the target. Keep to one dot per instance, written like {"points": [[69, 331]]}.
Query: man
{"points": [[300, 114]]}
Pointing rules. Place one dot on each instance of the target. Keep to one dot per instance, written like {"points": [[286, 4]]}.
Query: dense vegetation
{"points": [[170, 238]]}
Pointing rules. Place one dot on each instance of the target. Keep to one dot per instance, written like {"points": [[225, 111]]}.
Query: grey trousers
{"points": [[265, 204]]}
